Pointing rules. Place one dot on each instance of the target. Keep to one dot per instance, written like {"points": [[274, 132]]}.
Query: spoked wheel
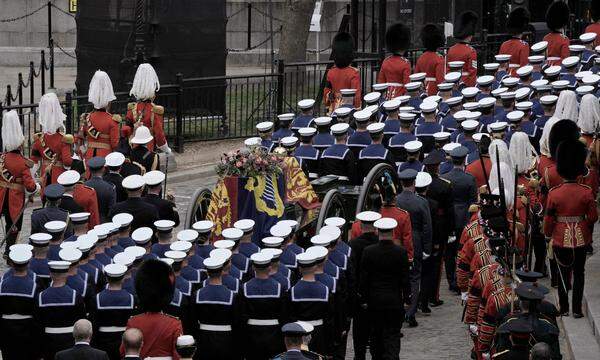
{"points": [[332, 205], [198, 208], [372, 189]]}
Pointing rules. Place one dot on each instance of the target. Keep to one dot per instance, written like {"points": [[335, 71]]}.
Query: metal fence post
{"points": [[484, 39], [1, 111], [8, 95], [52, 63], [179, 115], [43, 71], [20, 93], [49, 23], [31, 84], [280, 85], [249, 44], [69, 112]]}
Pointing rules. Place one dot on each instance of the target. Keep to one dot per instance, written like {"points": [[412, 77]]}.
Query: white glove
{"points": [[451, 239], [76, 157], [38, 187], [34, 169], [426, 256], [473, 330], [165, 148], [485, 356], [464, 296]]}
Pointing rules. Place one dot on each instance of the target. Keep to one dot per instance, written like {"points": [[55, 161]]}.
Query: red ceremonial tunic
{"points": [[151, 116], [518, 51], [487, 274], [101, 132], [341, 78], [431, 63], [490, 321], [466, 53], [395, 69], [595, 28], [160, 334], [85, 197], [558, 48], [476, 170], [52, 149], [15, 179]]}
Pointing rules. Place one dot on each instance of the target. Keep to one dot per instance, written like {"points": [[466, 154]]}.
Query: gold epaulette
{"points": [[68, 139], [131, 105], [38, 135], [157, 109], [116, 118]]}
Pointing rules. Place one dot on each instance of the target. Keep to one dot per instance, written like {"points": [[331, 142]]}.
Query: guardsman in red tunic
{"points": [[570, 209], [464, 29], [84, 196], [481, 165], [557, 17], [341, 75], [395, 69], [518, 49], [51, 147], [144, 111], [595, 26], [431, 62], [16, 182], [100, 129], [491, 315]]}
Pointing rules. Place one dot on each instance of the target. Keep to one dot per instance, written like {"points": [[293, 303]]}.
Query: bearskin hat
{"points": [[595, 10], [562, 130], [570, 159], [518, 19], [465, 25], [397, 38], [342, 49], [154, 285], [484, 145], [432, 37], [557, 15]]}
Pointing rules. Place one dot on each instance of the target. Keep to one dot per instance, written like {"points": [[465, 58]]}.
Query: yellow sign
{"points": [[73, 6]]}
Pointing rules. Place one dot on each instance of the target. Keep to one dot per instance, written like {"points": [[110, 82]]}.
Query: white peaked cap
{"points": [[50, 113], [101, 91], [12, 132], [145, 83]]}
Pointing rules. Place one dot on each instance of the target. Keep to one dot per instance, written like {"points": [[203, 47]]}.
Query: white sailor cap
{"points": [[581, 74], [100, 232], [280, 230], [68, 245], [362, 115], [272, 241], [85, 242], [449, 147], [286, 117], [470, 92], [164, 225], [576, 48], [264, 126], [477, 136], [452, 77], [307, 131], [536, 84], [372, 109], [185, 341], [453, 100], [21, 247], [319, 252], [246, 225], [167, 261], [335, 221], [524, 105], [275, 253], [413, 146], [536, 59], [510, 81], [203, 226], [368, 216], [386, 224], [485, 80], [232, 234], [221, 252], [502, 57], [184, 246], [142, 235], [461, 115], [189, 235], [177, 256], [441, 136], [261, 258], [515, 116], [417, 76], [20, 255], [508, 95], [55, 226], [560, 84], [339, 128], [348, 92], [289, 141], [522, 93], [214, 262], [552, 70], [445, 86], [40, 239], [470, 125], [375, 128], [288, 222], [486, 102], [306, 259], [68, 178], [391, 105], [428, 107], [548, 99], [372, 97], [322, 121], [115, 270], [122, 219], [433, 98], [380, 86], [491, 66], [342, 111], [499, 91], [570, 61], [539, 46], [59, 266], [498, 126], [524, 71], [71, 255], [224, 244], [456, 65], [79, 218], [154, 177], [133, 182], [332, 231], [114, 159], [473, 115], [403, 99], [470, 106], [423, 179], [253, 141], [584, 89], [124, 258], [306, 103], [591, 79], [412, 86]]}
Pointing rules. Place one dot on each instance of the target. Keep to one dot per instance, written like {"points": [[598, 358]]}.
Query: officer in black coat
{"points": [[106, 192], [51, 210], [144, 214], [338, 159], [114, 161], [166, 208]]}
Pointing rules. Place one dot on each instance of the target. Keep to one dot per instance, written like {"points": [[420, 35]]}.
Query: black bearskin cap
{"points": [[484, 145], [557, 15], [517, 21], [570, 159], [342, 49], [154, 285], [465, 25], [562, 130], [432, 37], [595, 10], [397, 38]]}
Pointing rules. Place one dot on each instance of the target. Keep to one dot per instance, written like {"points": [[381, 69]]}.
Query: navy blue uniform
{"points": [[424, 133], [449, 123], [322, 141], [248, 248], [117, 180], [267, 144], [391, 128], [372, 156], [242, 263], [109, 314], [166, 209], [396, 145], [41, 270], [570, 78], [358, 141], [160, 249], [415, 165], [339, 160], [106, 194], [308, 157], [39, 217], [301, 121], [280, 134], [204, 250]]}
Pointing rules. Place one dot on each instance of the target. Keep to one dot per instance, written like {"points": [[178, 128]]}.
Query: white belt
{"points": [[464, 73], [263, 322], [315, 322], [58, 330], [395, 84], [552, 58], [340, 177], [159, 358], [313, 175], [111, 329], [16, 317], [208, 327], [514, 65], [430, 79]]}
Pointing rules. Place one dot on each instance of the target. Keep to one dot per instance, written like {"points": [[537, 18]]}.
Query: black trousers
{"points": [[360, 333], [11, 238], [450, 260], [428, 280], [571, 264], [385, 334]]}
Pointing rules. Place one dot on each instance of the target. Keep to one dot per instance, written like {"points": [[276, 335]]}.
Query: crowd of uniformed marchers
{"points": [[498, 178]]}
